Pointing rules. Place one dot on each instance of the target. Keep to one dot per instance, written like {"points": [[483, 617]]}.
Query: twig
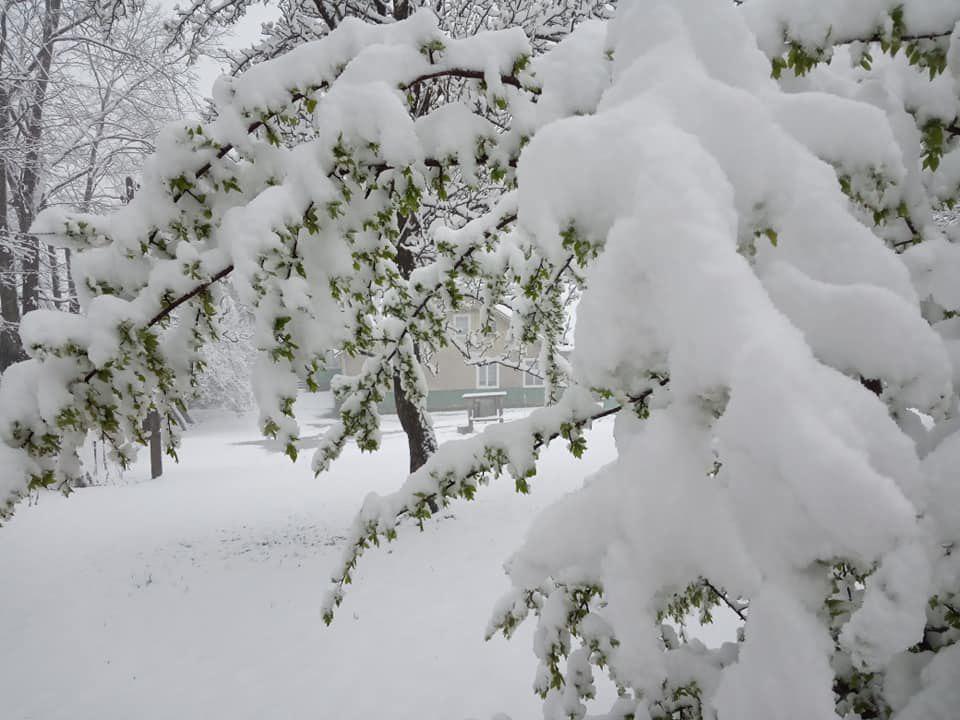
{"points": [[725, 600]]}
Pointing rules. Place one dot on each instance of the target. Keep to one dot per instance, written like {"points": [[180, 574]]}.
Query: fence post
{"points": [[152, 426]]}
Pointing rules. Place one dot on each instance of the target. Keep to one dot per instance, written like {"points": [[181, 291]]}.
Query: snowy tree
{"points": [[544, 21], [84, 89], [745, 193], [224, 381]]}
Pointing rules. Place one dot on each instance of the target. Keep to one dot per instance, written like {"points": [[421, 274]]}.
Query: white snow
{"points": [[740, 241], [198, 595]]}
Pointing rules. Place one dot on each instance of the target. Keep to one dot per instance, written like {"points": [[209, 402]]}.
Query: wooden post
{"points": [[152, 426]]}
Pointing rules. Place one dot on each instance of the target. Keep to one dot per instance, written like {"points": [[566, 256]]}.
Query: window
{"points": [[461, 324], [488, 376], [532, 377]]}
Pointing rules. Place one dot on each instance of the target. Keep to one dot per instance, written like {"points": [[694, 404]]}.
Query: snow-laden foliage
{"points": [[747, 195], [545, 22]]}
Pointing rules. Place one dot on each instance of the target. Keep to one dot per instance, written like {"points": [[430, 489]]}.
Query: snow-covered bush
{"points": [[746, 193]]}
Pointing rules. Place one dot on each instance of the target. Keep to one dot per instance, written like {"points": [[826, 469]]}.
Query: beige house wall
{"points": [[447, 369]]}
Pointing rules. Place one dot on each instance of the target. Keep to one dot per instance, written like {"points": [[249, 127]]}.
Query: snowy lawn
{"points": [[197, 595]]}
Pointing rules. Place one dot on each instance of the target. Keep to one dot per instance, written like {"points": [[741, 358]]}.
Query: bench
{"points": [[490, 401]]}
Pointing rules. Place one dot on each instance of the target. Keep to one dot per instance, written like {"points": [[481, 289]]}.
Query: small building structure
{"points": [[450, 375]]}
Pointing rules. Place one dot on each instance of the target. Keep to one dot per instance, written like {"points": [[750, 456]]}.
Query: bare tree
{"points": [[84, 89]]}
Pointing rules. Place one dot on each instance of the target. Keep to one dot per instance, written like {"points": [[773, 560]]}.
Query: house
{"points": [[450, 375]]}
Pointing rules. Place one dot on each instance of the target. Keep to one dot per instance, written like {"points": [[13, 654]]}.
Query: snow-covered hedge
{"points": [[746, 193]]}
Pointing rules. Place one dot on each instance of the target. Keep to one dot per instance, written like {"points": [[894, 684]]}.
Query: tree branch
{"points": [[541, 442], [466, 74], [721, 596], [166, 311]]}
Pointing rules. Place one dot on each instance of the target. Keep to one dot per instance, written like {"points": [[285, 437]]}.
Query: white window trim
{"points": [[496, 369], [453, 321], [539, 383]]}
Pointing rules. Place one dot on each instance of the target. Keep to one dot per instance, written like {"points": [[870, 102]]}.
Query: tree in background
{"points": [[84, 90], [545, 22], [746, 195], [224, 381]]}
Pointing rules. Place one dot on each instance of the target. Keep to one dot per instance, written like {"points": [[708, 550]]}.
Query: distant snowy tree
{"points": [[224, 381], [84, 89], [747, 195]]}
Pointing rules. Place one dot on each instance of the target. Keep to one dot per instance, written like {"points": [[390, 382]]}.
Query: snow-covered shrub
{"points": [[746, 194]]}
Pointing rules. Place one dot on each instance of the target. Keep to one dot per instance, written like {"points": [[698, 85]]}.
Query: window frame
{"points": [[485, 369], [457, 330]]}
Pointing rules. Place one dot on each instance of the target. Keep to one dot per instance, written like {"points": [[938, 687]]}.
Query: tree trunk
{"points": [[10, 349], [401, 10], [73, 304], [420, 436], [26, 202], [56, 292], [421, 439]]}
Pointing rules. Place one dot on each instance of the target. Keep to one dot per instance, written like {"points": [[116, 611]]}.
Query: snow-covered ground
{"points": [[197, 595]]}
